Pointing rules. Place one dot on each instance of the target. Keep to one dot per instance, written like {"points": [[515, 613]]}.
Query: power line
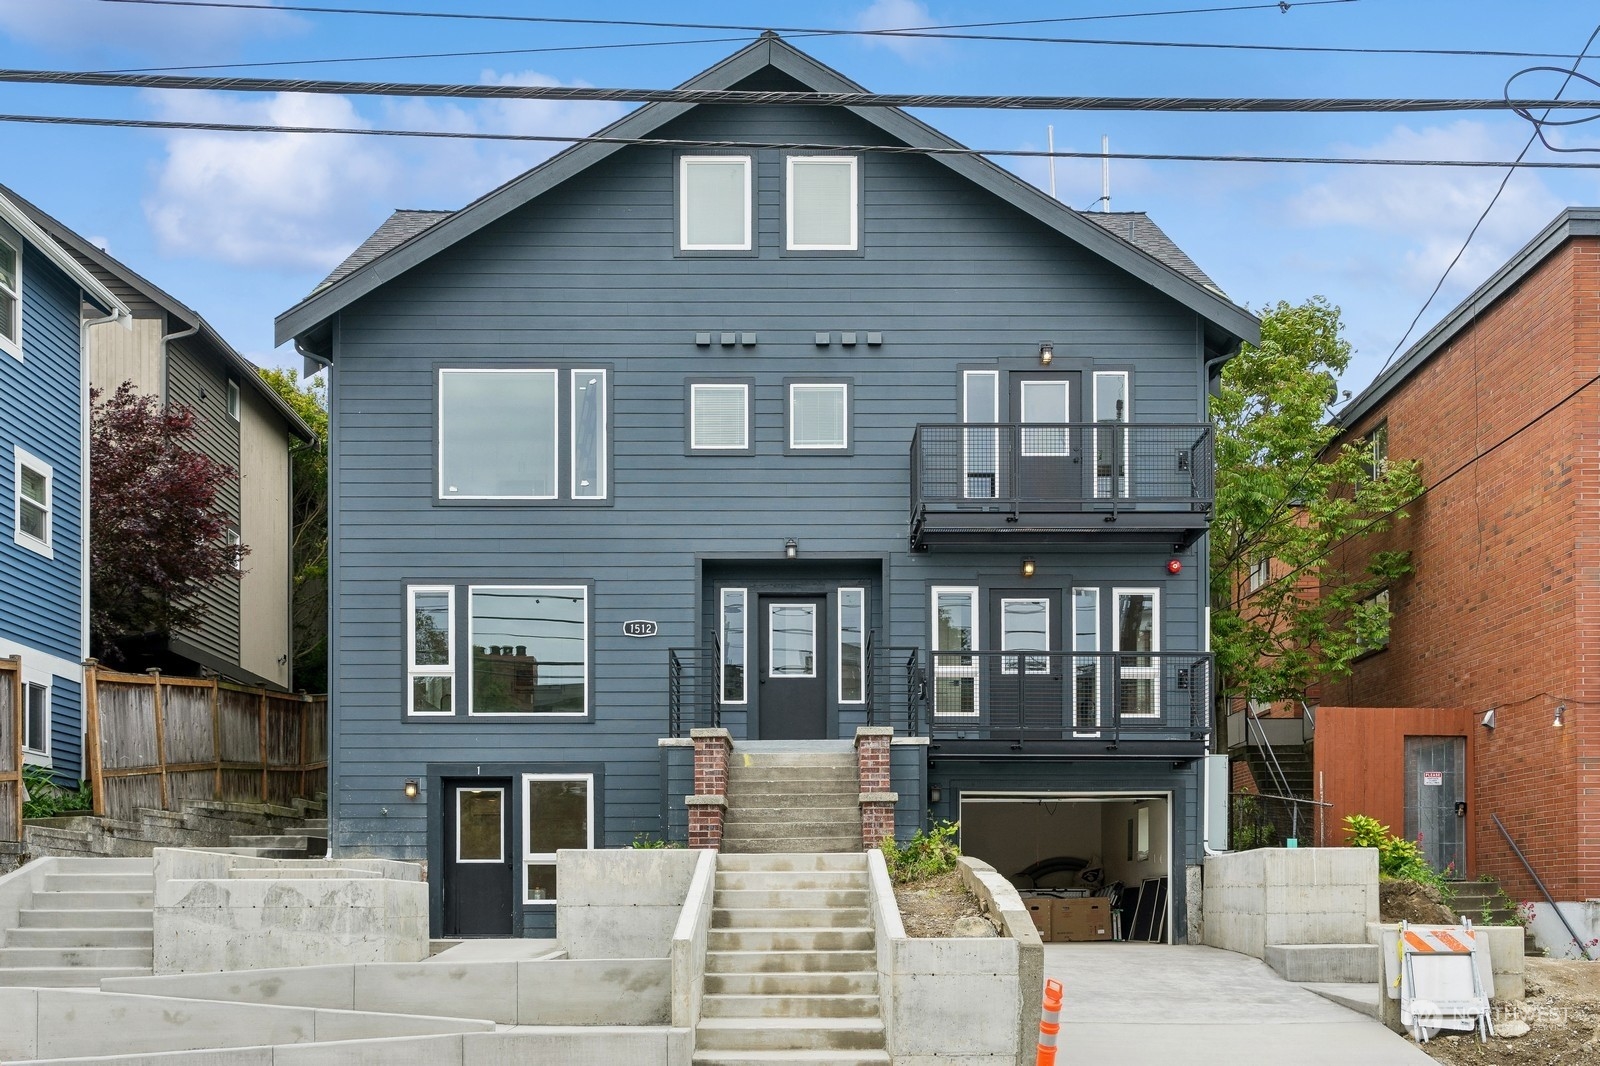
{"points": [[786, 97], [806, 146]]}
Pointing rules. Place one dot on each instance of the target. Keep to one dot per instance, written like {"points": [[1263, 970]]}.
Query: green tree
{"points": [[1286, 494], [309, 547]]}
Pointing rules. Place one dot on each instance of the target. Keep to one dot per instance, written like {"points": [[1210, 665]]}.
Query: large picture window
{"points": [[714, 203], [558, 813], [430, 660], [501, 433], [530, 649], [955, 629]]}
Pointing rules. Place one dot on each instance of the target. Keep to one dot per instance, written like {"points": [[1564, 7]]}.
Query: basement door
{"points": [[478, 857], [1436, 800]]}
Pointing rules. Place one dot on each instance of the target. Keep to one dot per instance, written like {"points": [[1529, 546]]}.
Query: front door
{"points": [[1025, 690], [1436, 801], [1049, 456], [477, 858], [793, 668]]}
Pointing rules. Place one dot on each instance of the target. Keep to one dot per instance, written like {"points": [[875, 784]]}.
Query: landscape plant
{"points": [[1398, 858], [926, 854], [46, 799]]}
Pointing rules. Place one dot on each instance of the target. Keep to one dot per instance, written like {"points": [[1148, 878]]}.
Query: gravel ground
{"points": [[1562, 1012]]}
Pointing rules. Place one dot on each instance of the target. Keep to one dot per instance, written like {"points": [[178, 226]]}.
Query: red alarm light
{"points": [[1174, 566]]}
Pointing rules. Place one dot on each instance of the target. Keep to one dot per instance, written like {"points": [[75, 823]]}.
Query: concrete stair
{"points": [[1326, 963], [791, 966], [1470, 898], [782, 801], [92, 919]]}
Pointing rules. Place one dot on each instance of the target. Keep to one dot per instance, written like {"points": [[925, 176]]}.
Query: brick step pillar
{"points": [[708, 806], [877, 802]]}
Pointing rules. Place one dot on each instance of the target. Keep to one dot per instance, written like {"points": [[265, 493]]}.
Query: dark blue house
{"points": [[768, 425], [47, 300]]}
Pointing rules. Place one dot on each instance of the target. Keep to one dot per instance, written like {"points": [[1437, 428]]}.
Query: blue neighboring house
{"points": [[46, 300]]}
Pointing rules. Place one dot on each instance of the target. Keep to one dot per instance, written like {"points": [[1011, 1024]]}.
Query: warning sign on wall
{"points": [[1433, 777]]}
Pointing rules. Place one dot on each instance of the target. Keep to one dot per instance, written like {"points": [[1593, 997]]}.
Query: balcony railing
{"points": [[1000, 479], [1081, 699]]}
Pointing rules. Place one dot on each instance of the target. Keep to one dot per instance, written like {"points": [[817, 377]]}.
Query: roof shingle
{"points": [[398, 228]]}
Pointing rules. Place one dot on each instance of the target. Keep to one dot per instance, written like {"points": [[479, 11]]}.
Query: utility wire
{"points": [[807, 146], [785, 97]]}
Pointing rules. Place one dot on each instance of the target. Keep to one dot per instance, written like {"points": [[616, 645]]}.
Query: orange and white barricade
{"points": [[1442, 982]]}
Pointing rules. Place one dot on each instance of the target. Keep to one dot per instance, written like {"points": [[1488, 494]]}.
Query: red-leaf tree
{"points": [[158, 534]]}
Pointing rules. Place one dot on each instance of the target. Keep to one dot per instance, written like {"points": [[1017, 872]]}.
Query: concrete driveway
{"points": [[1139, 1004]]}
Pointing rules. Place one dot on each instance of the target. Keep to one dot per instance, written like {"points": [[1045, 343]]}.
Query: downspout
{"points": [[166, 393], [1205, 778]]}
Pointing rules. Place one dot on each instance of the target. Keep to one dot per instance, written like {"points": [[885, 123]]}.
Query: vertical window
{"points": [[588, 434], [714, 203], [10, 295], [530, 649], [233, 400], [852, 645], [1373, 617], [1025, 626], [980, 403], [36, 718], [719, 417], [733, 645], [819, 416], [1047, 402], [497, 435], [1260, 572], [823, 204], [1136, 632], [430, 655], [1379, 440], [1111, 445], [558, 813], [955, 629], [235, 542], [33, 480], [1086, 664]]}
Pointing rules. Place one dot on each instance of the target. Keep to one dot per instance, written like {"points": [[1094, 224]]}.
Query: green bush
{"points": [[926, 854], [646, 842], [46, 799], [1398, 858]]}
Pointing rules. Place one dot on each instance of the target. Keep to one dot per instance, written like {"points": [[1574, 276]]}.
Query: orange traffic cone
{"points": [[1049, 1023]]}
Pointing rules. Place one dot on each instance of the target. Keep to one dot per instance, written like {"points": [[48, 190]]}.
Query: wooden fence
{"points": [[156, 741], [11, 749]]}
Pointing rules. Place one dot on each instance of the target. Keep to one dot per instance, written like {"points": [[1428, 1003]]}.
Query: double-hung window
{"points": [[33, 479], [719, 416], [819, 416], [955, 630], [36, 718], [430, 652], [714, 203], [558, 812], [823, 203], [10, 293], [500, 434]]}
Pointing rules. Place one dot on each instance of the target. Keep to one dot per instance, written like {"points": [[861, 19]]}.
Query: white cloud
{"points": [[87, 28], [900, 15]]}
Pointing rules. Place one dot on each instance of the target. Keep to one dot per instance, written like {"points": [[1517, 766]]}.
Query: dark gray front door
{"points": [[1051, 465], [1025, 693], [1436, 798], [793, 648], [477, 858]]}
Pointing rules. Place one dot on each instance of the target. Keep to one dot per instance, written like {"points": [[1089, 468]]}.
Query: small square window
{"points": [[823, 204], [714, 203], [36, 718], [719, 416], [819, 416], [233, 400], [33, 502]]}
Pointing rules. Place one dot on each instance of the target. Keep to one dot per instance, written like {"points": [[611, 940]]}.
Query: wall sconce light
{"points": [[935, 794], [1561, 714], [1488, 719], [1047, 353], [791, 550], [412, 788], [1027, 568]]}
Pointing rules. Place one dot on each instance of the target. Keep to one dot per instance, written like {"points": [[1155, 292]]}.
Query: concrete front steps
{"points": [[791, 965], [92, 919], [782, 800], [1470, 899]]}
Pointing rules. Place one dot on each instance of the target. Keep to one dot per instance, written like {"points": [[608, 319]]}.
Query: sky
{"points": [[241, 226]]}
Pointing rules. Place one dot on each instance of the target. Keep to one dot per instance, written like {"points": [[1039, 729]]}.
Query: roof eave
{"points": [[97, 293]]}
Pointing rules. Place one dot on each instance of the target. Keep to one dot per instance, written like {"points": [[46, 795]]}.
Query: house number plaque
{"points": [[639, 628]]}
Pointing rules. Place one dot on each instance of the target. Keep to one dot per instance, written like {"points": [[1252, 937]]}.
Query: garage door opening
{"points": [[1088, 867]]}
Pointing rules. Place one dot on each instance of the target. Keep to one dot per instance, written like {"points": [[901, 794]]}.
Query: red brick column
{"points": [[710, 800], [877, 802]]}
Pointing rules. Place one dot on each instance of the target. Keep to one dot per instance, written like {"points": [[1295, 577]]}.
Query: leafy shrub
{"points": [[926, 854], [46, 799], [1398, 857], [646, 842]]}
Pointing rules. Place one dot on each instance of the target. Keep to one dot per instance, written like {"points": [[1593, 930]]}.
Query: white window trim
{"points": [[44, 547], [743, 596], [536, 716], [843, 389], [413, 671], [971, 438], [855, 203], [41, 755], [1103, 491], [1052, 446], [531, 858], [603, 486], [1139, 673], [685, 164], [861, 642], [772, 645], [1093, 654], [555, 430], [13, 240], [498, 858], [235, 539], [234, 400], [955, 670], [1260, 572], [694, 422], [1009, 666]]}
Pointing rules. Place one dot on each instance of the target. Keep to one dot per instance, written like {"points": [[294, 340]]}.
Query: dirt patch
{"points": [[1412, 901], [935, 906], [1562, 1011]]}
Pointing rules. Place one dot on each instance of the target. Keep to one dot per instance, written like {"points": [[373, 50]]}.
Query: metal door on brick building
{"points": [[1436, 801]]}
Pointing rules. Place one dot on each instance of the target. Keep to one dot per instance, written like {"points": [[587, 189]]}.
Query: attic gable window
{"points": [[10, 294], [714, 203], [823, 204]]}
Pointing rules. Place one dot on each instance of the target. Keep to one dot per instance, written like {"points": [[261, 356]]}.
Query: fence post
{"points": [[17, 713], [161, 737], [305, 726], [91, 710], [263, 744], [216, 737]]}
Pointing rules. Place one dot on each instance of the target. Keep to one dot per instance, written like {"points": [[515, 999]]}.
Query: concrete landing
{"points": [[497, 950]]}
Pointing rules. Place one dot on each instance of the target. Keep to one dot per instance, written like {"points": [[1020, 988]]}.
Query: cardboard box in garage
{"points": [[1080, 919], [1042, 911]]}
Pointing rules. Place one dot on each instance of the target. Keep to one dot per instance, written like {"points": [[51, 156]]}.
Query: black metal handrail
{"points": [[694, 691]]}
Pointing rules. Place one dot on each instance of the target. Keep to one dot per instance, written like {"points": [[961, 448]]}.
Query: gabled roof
{"points": [[14, 213], [307, 321], [81, 252], [1139, 230], [398, 228], [1572, 222]]}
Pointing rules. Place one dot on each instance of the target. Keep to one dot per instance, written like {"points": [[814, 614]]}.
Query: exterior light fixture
{"points": [[412, 788], [1174, 566], [1047, 353], [1027, 568], [935, 794], [791, 550], [1561, 714], [1488, 719]]}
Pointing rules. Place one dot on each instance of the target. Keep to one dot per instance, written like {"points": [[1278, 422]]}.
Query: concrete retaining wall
{"points": [[621, 903], [1289, 896]]}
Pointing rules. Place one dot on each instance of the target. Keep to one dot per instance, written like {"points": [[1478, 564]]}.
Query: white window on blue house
{"points": [[558, 813], [36, 719], [714, 203], [588, 434], [33, 479], [498, 433], [823, 204], [955, 629], [719, 417], [430, 655], [853, 645], [734, 646], [10, 293], [819, 416], [530, 650]]}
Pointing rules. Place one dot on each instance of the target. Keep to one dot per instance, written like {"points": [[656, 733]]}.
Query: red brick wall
{"points": [[872, 763], [711, 748]]}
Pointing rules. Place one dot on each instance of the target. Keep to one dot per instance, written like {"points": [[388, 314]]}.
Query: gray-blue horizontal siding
{"points": [[41, 600], [66, 731], [587, 275]]}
